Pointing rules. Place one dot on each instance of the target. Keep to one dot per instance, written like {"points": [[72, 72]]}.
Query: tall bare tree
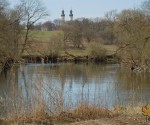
{"points": [[132, 31], [32, 11]]}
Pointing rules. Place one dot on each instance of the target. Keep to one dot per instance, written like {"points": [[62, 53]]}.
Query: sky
{"points": [[84, 8]]}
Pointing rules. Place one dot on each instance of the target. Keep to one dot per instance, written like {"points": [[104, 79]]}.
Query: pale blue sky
{"points": [[85, 8]]}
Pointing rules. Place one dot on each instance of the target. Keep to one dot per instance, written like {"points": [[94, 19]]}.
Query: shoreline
{"points": [[76, 59], [92, 116]]}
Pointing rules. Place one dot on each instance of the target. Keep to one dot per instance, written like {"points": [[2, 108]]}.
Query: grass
{"points": [[82, 112], [43, 35], [76, 52], [85, 112], [41, 38], [110, 49]]}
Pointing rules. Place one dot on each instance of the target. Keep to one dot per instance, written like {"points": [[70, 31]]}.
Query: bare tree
{"points": [[88, 29], [57, 23], [9, 35], [32, 11], [72, 34], [111, 15], [3, 4], [146, 7], [48, 25], [132, 30]]}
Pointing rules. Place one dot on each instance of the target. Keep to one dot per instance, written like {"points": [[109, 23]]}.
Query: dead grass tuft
{"points": [[80, 113], [2, 122], [66, 117], [86, 112], [38, 116]]}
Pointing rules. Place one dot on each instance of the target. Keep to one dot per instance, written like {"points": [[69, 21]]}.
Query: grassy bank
{"points": [[43, 35], [83, 112], [51, 43]]}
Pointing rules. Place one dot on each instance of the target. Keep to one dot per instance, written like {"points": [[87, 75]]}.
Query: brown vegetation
{"points": [[80, 113], [96, 50]]}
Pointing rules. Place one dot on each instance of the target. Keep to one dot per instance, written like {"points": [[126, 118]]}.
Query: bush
{"points": [[96, 50]]}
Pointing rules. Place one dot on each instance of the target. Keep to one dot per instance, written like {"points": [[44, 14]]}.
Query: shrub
{"points": [[96, 50]]}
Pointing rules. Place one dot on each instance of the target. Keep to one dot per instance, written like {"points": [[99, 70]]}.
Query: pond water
{"points": [[108, 85]]}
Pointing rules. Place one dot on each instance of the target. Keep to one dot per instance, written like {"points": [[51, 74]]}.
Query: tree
{"points": [[10, 33], [66, 34], [76, 36], [72, 33], [38, 26], [31, 12], [76, 33], [57, 23], [88, 30], [108, 34], [48, 25], [132, 31], [145, 7], [28, 12], [3, 5]]}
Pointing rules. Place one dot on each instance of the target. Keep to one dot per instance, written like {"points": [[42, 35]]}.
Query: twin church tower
{"points": [[63, 15]]}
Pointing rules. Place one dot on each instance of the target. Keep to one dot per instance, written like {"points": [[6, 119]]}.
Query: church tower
{"points": [[71, 15], [63, 16]]}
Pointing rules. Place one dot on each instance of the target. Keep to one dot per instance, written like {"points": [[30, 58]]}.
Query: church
{"points": [[63, 15]]}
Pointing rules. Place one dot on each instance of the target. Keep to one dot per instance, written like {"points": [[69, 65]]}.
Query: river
{"points": [[69, 84]]}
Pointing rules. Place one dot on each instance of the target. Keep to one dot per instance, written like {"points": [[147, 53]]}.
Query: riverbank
{"points": [[68, 58], [105, 53], [83, 116], [120, 120]]}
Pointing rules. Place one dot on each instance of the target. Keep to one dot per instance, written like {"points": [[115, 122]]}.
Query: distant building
{"points": [[71, 15], [63, 16]]}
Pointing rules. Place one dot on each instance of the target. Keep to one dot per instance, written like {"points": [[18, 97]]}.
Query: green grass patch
{"points": [[43, 35], [111, 49]]}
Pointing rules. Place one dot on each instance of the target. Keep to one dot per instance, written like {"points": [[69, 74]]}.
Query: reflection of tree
{"points": [[131, 80], [132, 84], [25, 87], [80, 72], [8, 91]]}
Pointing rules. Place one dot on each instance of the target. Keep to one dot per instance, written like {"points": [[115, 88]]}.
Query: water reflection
{"points": [[108, 85]]}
